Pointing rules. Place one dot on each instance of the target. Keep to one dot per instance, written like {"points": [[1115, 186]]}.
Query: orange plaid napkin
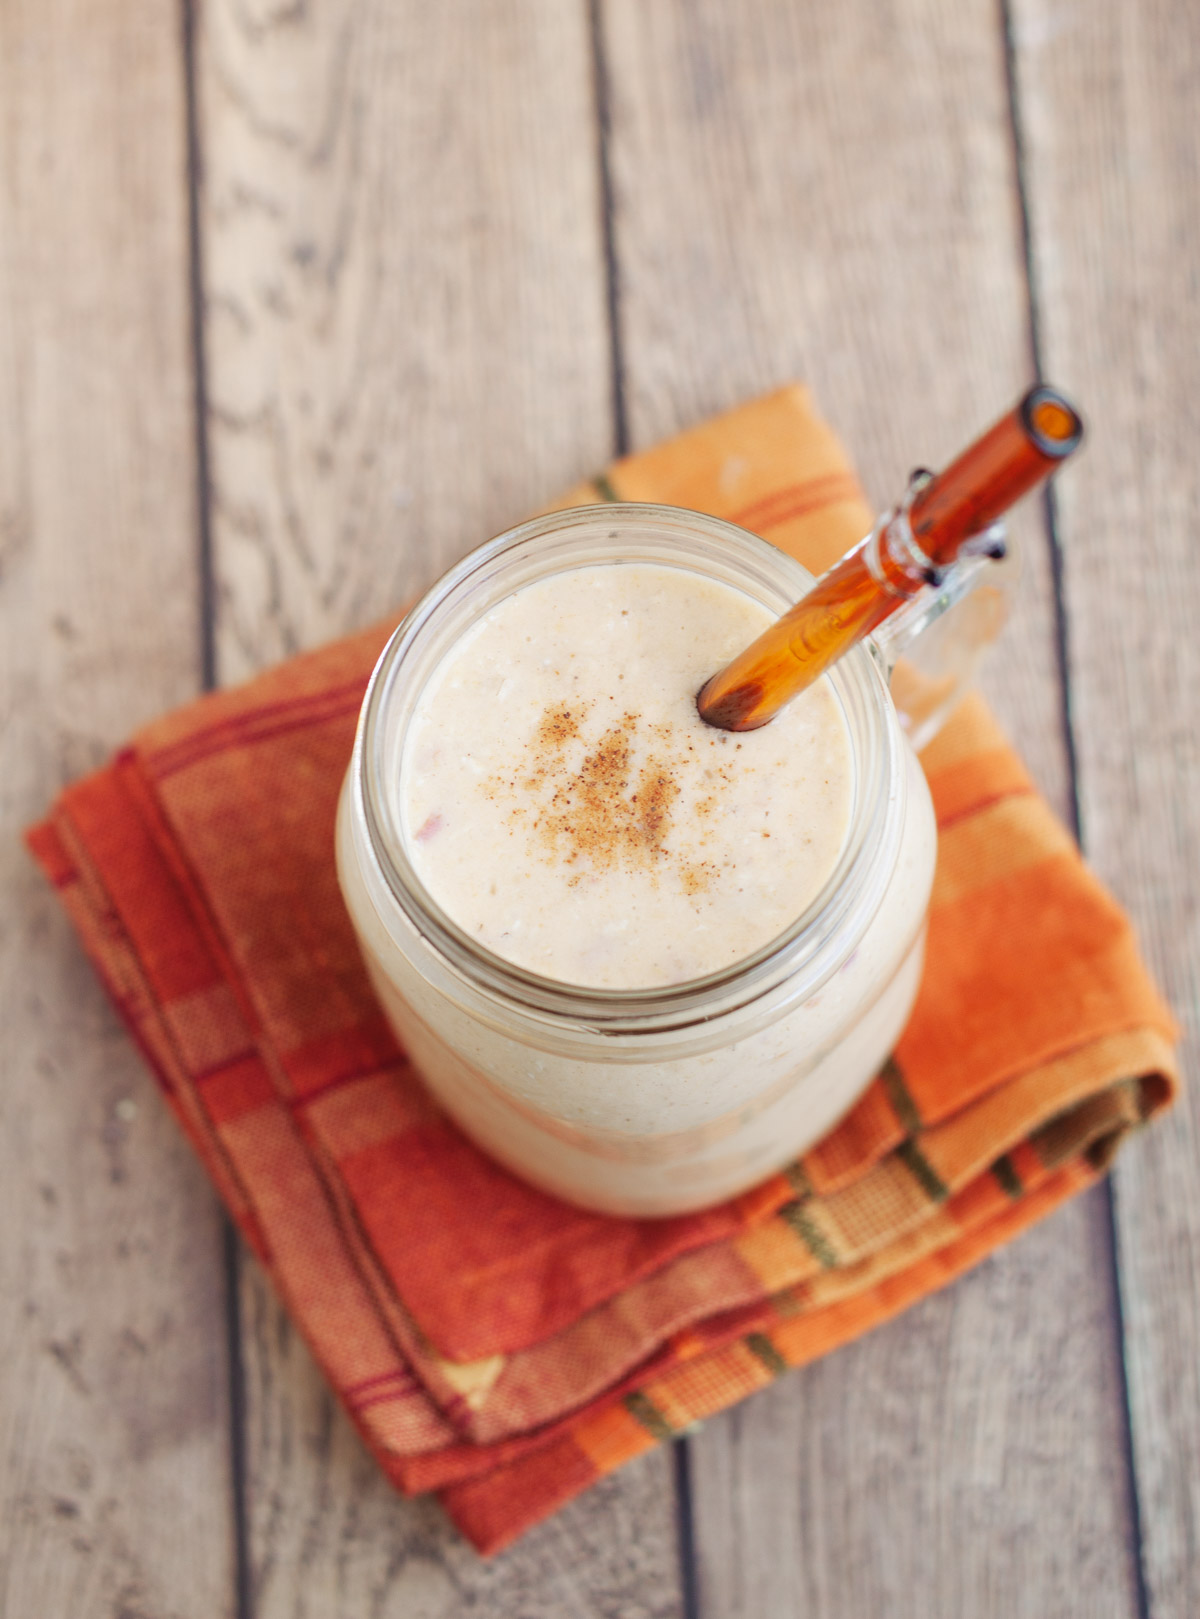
{"points": [[489, 1341]]}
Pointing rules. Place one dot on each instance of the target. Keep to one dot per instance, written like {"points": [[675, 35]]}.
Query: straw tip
{"points": [[1052, 422], [734, 710]]}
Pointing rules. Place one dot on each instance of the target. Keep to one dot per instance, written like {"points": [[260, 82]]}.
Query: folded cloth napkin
{"points": [[489, 1341]]}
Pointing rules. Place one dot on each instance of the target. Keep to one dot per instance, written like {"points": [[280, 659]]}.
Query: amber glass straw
{"points": [[910, 548]]}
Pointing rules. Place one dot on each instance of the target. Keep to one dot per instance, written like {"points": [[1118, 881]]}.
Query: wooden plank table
{"points": [[298, 303]]}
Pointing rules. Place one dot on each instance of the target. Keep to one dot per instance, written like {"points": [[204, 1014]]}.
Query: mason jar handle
{"points": [[931, 648]]}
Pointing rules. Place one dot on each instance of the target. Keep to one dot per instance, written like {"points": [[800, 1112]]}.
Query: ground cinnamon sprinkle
{"points": [[559, 724], [696, 876], [606, 810], [565, 803]]}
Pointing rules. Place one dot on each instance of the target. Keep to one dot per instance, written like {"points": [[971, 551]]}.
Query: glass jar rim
{"points": [[750, 563]]}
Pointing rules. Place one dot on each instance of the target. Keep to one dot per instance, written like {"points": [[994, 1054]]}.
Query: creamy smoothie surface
{"points": [[563, 802]]}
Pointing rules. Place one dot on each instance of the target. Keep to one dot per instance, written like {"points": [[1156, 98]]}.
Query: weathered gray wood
{"points": [[408, 350], [1113, 173], [829, 193], [925, 1471], [113, 1411], [331, 1538], [406, 305]]}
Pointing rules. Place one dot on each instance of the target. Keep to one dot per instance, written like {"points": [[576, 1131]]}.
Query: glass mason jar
{"points": [[659, 1101]]}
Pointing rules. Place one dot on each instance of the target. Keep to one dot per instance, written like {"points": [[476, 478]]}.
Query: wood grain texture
{"points": [[1107, 94], [830, 194], [113, 1420], [405, 298], [407, 350], [928, 1470], [331, 1538]]}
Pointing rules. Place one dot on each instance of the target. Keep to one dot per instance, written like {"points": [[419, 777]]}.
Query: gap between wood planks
{"points": [[1074, 799], [243, 1594]]}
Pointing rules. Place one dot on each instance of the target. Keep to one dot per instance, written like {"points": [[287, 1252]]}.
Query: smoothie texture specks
{"points": [[565, 804]]}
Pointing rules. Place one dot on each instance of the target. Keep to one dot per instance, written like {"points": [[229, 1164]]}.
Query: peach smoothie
{"points": [[577, 845], [566, 805]]}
